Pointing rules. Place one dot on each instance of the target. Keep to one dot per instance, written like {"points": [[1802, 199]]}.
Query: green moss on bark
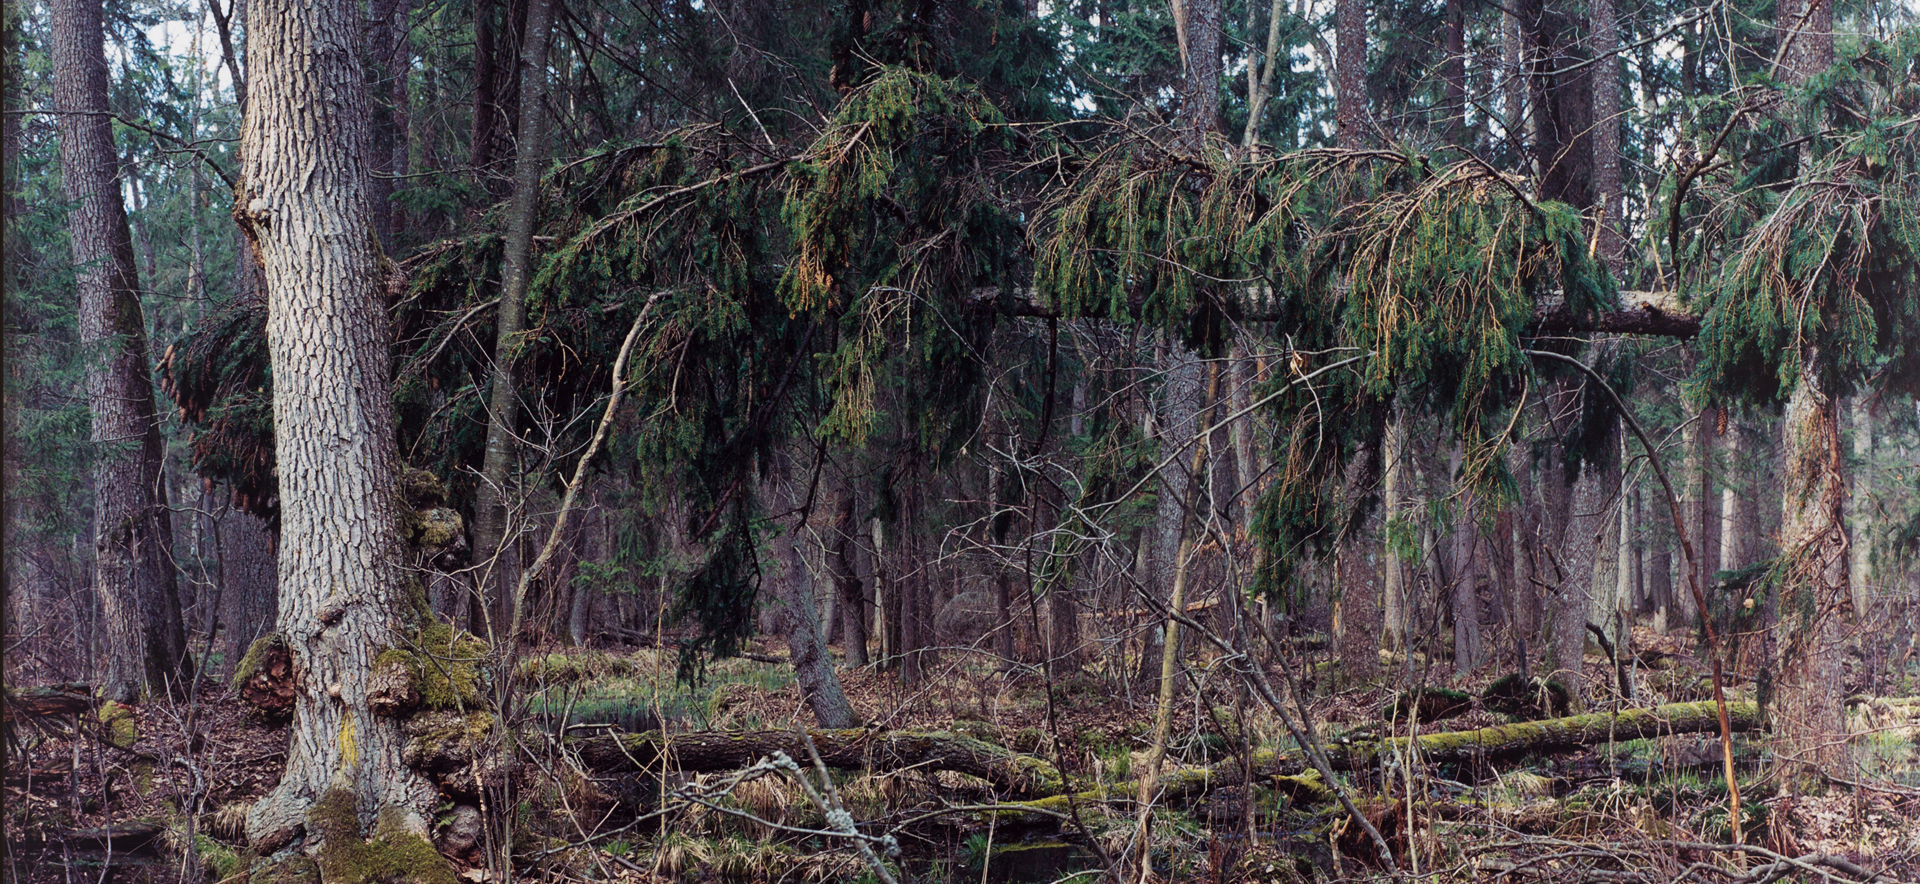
{"points": [[118, 725], [393, 856], [257, 654], [445, 667]]}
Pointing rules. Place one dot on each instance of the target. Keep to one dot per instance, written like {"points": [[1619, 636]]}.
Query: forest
{"points": [[475, 441]]}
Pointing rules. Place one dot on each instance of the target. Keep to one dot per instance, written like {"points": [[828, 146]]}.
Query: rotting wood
{"points": [[38, 702]]}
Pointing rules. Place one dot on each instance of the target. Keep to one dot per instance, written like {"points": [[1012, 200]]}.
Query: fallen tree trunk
{"points": [[1049, 792], [38, 702], [1557, 734], [1291, 773], [851, 749]]}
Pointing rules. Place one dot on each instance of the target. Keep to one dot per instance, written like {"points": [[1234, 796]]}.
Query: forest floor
{"points": [[1636, 810]]}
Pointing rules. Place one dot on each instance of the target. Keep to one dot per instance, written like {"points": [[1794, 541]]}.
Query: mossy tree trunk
{"points": [[146, 644], [1815, 597], [303, 197]]}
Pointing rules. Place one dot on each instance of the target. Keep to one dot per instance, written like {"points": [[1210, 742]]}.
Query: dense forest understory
{"points": [[1213, 440]]}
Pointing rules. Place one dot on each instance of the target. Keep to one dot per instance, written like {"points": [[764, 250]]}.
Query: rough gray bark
{"points": [[1200, 87], [249, 591], [145, 637], [1465, 576], [800, 624], [1816, 598], [490, 510], [1607, 185], [304, 200], [1396, 606], [1357, 578]]}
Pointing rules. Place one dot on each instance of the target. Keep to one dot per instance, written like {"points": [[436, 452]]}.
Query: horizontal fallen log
{"points": [[850, 749], [1290, 771], [1048, 793], [1556, 734], [37, 702]]}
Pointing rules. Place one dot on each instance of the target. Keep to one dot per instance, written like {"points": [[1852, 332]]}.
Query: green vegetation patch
{"points": [[118, 725], [393, 856]]}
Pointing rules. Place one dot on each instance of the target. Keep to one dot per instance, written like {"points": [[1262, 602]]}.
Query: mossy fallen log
{"points": [[1049, 795], [1289, 771], [39, 702], [1556, 734], [851, 749]]}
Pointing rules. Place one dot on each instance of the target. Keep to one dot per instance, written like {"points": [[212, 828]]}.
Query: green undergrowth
{"points": [[598, 687]]}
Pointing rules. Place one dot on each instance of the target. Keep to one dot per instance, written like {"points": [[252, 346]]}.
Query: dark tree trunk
{"points": [[249, 590], [388, 63], [846, 579], [1561, 93], [1607, 184], [490, 522], [1350, 88], [1200, 87], [133, 535]]}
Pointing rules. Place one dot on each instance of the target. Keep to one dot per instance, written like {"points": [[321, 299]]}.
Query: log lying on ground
{"points": [[1290, 771], [852, 749], [1557, 734], [1024, 775], [37, 702]]}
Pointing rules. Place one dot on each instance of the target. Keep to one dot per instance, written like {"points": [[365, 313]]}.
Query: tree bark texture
{"points": [[1200, 87], [304, 199], [1560, 96], [1814, 595], [1350, 94], [1815, 599], [1610, 242], [145, 637], [490, 510], [250, 590], [846, 579], [799, 623]]}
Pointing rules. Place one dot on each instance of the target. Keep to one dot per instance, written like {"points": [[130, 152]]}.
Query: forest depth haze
{"points": [[1142, 441]]}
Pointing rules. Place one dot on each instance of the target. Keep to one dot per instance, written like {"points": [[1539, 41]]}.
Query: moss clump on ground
{"points": [[118, 725], [393, 856], [223, 863]]}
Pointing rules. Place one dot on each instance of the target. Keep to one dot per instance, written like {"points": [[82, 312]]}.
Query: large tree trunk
{"points": [[490, 510], [800, 624], [1561, 98], [303, 197], [1815, 596], [134, 574], [846, 579], [1608, 189], [249, 588], [1350, 87], [1200, 87]]}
